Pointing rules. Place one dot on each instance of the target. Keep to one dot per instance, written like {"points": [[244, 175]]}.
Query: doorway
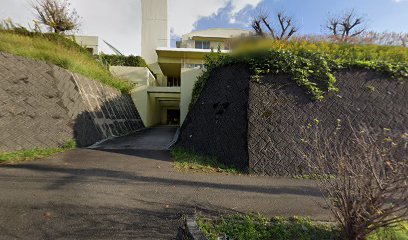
{"points": [[173, 116]]}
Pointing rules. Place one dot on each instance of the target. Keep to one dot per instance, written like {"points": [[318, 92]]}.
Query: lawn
{"points": [[60, 51], [257, 227], [32, 154], [395, 233], [186, 161]]}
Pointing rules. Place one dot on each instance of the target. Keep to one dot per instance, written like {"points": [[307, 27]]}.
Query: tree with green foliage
{"points": [[57, 15], [121, 60]]}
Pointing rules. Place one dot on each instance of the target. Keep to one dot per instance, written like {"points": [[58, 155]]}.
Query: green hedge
{"points": [[311, 65], [128, 61]]}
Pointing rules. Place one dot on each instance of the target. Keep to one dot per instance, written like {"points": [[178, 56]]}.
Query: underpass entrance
{"points": [[173, 116]]}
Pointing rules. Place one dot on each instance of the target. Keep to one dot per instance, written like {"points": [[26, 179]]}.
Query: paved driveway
{"points": [[132, 194], [158, 138]]}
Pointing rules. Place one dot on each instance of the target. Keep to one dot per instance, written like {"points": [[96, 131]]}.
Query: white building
{"points": [[165, 99]]}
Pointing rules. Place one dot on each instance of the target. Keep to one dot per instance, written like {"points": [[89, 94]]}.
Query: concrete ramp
{"points": [[157, 138]]}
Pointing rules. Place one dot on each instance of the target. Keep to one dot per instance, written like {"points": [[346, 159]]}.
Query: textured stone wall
{"points": [[42, 105], [263, 132], [279, 109], [217, 124]]}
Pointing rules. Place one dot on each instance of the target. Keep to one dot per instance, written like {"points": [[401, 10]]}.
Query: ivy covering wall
{"points": [[310, 65]]}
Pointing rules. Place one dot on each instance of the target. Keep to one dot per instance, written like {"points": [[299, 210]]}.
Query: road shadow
{"points": [[75, 175], [161, 155], [76, 221]]}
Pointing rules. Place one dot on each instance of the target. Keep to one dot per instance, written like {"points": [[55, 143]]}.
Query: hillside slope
{"points": [[60, 51]]}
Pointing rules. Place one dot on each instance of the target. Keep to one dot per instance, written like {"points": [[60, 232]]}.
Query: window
{"points": [[173, 82], [202, 44], [194, 66]]}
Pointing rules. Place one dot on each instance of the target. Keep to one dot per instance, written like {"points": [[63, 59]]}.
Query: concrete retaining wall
{"points": [[42, 105], [256, 126], [217, 124], [279, 109]]}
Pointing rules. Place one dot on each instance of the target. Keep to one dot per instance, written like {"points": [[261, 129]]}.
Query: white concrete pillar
{"points": [[155, 30]]}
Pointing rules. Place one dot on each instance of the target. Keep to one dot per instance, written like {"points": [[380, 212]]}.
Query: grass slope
{"points": [[186, 161], [242, 226], [32, 154], [59, 51]]}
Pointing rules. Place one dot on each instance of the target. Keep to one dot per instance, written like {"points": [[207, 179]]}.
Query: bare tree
{"points": [[364, 183], [284, 31], [385, 38], [345, 27], [404, 39], [57, 15]]}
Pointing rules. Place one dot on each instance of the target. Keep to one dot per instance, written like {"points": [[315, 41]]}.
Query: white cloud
{"points": [[238, 5], [184, 13]]}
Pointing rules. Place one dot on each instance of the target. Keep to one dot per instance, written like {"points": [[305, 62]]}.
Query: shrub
{"points": [[343, 51], [128, 61], [369, 190], [310, 64]]}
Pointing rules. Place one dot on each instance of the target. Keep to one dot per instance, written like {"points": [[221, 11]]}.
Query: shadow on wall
{"points": [[217, 124], [44, 106], [116, 117]]}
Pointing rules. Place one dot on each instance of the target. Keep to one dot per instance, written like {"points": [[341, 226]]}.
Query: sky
{"points": [[118, 21]]}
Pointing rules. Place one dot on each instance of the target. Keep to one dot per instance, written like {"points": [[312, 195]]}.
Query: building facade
{"points": [[165, 98], [91, 43]]}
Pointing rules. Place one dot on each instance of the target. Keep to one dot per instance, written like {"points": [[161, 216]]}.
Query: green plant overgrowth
{"points": [[257, 227], [59, 50], [32, 154], [127, 61], [190, 162], [398, 232], [310, 65]]}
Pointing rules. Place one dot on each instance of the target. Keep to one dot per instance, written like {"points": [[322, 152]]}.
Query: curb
{"points": [[174, 140], [189, 230]]}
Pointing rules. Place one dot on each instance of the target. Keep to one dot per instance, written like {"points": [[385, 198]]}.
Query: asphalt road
{"points": [[131, 193], [157, 138]]}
